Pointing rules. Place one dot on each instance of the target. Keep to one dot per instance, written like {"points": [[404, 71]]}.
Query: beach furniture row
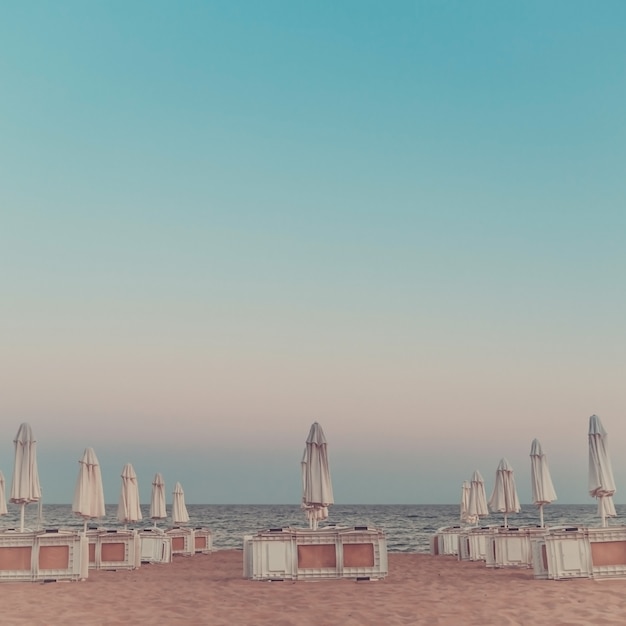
{"points": [[572, 552], [497, 546], [554, 553], [66, 555], [127, 549], [358, 553], [466, 543], [188, 541]]}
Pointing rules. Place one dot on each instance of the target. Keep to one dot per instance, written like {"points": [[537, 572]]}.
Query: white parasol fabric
{"points": [[477, 506], [128, 509], [601, 481], [3, 499], [541, 481], [465, 498], [88, 500], [179, 510], [504, 498], [317, 489], [158, 509], [25, 487]]}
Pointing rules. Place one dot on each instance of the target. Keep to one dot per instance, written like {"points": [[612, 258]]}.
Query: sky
{"points": [[223, 221]]}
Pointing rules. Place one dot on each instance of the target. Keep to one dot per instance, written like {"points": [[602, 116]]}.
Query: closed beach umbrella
{"points": [[3, 499], [157, 501], [25, 487], [477, 507], [89, 495], [541, 481], [179, 510], [601, 481], [504, 497], [317, 489], [465, 497], [128, 509]]}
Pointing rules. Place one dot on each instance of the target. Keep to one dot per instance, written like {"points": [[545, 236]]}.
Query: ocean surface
{"points": [[408, 527]]}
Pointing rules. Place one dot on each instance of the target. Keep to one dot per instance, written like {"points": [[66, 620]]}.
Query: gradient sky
{"points": [[222, 221]]}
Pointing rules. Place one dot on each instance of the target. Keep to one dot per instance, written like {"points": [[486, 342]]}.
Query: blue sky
{"points": [[222, 221]]}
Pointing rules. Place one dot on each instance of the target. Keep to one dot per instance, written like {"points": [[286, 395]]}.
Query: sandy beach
{"points": [[209, 589]]}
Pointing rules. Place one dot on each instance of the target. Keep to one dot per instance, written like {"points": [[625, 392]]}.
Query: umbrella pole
{"points": [[541, 514], [40, 514], [85, 526], [22, 517], [506, 523]]}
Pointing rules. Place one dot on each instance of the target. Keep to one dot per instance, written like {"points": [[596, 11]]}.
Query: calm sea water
{"points": [[408, 527]]}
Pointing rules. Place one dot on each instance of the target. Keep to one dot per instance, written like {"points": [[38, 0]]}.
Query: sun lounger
{"points": [[114, 549], [183, 542], [446, 541], [156, 546]]}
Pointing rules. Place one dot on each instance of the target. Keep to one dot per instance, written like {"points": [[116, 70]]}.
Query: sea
{"points": [[407, 527]]}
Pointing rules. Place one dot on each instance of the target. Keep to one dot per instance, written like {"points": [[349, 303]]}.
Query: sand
{"points": [[210, 589]]}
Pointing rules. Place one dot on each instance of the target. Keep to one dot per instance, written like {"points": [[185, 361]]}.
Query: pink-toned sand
{"points": [[210, 589]]}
